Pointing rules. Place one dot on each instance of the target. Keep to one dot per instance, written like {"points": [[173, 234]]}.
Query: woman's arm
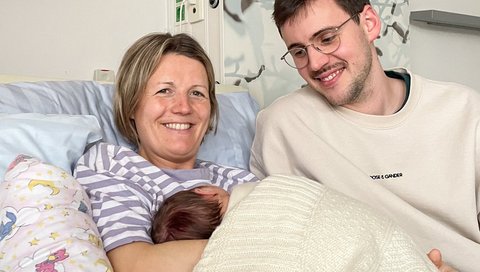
{"points": [[170, 256]]}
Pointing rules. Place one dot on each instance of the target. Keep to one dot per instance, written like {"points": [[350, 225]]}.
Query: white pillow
{"points": [[57, 139], [46, 221]]}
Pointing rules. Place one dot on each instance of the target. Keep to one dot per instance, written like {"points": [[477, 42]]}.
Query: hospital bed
{"points": [[54, 121]]}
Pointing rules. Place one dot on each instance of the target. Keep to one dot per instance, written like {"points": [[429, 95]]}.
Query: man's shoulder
{"points": [[295, 101], [304, 91], [452, 93], [436, 89], [430, 84]]}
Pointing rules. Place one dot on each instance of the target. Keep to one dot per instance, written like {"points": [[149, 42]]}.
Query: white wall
{"points": [[443, 53], [71, 38]]}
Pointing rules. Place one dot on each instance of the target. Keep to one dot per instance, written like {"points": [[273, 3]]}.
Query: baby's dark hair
{"points": [[186, 215]]}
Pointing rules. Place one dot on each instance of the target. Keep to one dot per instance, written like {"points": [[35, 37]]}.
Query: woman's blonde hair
{"points": [[138, 65]]}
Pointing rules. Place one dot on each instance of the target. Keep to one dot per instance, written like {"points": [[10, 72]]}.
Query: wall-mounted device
{"points": [[104, 75], [195, 11], [214, 3], [189, 11], [179, 11]]}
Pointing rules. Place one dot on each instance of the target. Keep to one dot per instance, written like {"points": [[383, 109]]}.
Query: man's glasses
{"points": [[326, 41]]}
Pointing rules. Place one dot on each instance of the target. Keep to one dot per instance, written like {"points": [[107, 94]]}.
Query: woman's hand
{"points": [[436, 257]]}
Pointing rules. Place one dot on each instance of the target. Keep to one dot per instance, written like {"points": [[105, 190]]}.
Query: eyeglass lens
{"points": [[326, 42]]}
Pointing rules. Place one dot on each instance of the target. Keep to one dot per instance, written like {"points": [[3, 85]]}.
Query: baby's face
{"points": [[215, 193]]}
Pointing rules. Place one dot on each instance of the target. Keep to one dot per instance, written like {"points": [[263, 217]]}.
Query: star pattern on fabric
{"points": [[40, 213], [34, 242], [54, 235]]}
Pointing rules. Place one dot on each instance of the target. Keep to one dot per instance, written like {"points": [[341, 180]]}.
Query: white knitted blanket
{"points": [[295, 224]]}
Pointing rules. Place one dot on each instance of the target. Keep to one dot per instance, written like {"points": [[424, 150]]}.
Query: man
{"points": [[401, 143]]}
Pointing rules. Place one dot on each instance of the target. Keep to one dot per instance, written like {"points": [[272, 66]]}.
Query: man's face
{"points": [[341, 75]]}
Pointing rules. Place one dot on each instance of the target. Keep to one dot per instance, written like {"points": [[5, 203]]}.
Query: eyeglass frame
{"points": [[304, 48]]}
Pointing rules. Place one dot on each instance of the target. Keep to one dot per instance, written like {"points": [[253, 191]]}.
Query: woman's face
{"points": [[174, 112]]}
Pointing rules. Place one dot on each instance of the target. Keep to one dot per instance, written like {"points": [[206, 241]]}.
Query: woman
{"points": [[164, 104]]}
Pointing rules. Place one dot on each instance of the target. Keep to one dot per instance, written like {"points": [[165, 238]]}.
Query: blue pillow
{"points": [[236, 128], [229, 146], [64, 97], [57, 139]]}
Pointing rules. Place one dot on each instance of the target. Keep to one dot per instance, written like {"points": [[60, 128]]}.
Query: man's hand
{"points": [[436, 257]]}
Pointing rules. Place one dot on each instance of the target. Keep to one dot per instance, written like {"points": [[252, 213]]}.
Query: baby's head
{"points": [[191, 214]]}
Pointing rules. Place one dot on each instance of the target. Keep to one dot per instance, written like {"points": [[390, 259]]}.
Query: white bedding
{"points": [[288, 223]]}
